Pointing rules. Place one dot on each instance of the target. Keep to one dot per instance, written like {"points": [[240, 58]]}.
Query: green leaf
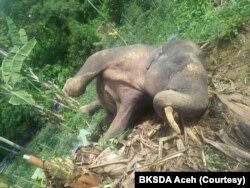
{"points": [[23, 36], [8, 63], [38, 174], [13, 31], [13, 62], [21, 97]]}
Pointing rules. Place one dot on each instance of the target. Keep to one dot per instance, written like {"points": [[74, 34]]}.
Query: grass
{"points": [[218, 161], [197, 20]]}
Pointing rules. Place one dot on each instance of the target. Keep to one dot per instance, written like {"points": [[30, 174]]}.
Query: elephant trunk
{"points": [[188, 105]]}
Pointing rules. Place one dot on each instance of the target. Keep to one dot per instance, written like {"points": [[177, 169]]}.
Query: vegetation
{"points": [[47, 41]]}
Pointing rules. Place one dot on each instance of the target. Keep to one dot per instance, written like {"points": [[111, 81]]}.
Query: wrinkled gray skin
{"points": [[176, 77], [120, 84], [133, 78]]}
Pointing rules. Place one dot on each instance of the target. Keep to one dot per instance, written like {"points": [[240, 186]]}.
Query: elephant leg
{"points": [[106, 120], [120, 122], [187, 105], [128, 111], [131, 105], [90, 108], [94, 65]]}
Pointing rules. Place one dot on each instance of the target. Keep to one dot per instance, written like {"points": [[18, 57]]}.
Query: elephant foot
{"points": [[90, 108], [170, 117]]}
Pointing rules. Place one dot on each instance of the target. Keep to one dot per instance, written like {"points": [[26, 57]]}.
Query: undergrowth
{"points": [[198, 20]]}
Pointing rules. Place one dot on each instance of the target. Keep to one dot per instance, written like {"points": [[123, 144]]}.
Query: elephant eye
{"points": [[162, 57]]}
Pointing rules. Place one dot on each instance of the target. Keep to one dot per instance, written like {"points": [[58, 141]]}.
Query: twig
{"points": [[143, 141], [193, 136], [204, 45], [203, 157], [165, 139], [110, 163], [164, 159]]}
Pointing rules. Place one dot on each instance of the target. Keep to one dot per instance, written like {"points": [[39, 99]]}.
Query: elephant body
{"points": [[133, 79], [120, 84]]}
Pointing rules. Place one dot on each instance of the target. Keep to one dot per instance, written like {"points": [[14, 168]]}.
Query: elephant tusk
{"points": [[169, 114]]}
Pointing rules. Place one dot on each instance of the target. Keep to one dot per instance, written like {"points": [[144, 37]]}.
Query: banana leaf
{"points": [[23, 36], [13, 62], [13, 31], [21, 97]]}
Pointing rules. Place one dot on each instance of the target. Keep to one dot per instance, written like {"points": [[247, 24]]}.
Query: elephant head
{"points": [[177, 80]]}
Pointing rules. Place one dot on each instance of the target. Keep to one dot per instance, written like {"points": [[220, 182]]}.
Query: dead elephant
{"points": [[120, 87], [133, 78]]}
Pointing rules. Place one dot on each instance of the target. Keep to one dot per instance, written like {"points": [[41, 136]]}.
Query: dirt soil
{"points": [[219, 141]]}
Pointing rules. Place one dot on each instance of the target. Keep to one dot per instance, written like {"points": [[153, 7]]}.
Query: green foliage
{"points": [[13, 32], [4, 41], [11, 75], [17, 122], [65, 30], [216, 159], [21, 97], [83, 41], [220, 22], [115, 10], [39, 176], [13, 62], [55, 73], [156, 21], [23, 36]]}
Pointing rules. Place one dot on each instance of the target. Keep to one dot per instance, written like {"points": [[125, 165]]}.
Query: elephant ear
{"points": [[152, 57]]}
